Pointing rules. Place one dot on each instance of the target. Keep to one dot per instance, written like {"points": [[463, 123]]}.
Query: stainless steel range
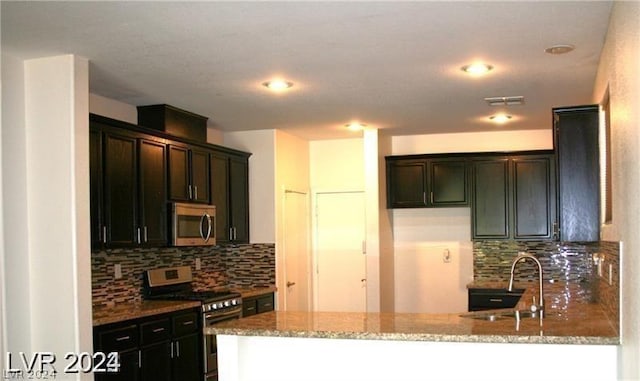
{"points": [[175, 283]]}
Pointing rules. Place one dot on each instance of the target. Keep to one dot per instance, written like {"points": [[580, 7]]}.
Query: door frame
{"points": [[314, 241], [309, 257]]}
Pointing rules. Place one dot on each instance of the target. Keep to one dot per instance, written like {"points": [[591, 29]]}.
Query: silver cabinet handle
{"points": [[139, 359], [138, 234], [172, 349], [495, 300], [195, 191], [190, 192], [104, 234], [146, 237], [431, 198], [123, 338], [157, 330], [177, 349]]}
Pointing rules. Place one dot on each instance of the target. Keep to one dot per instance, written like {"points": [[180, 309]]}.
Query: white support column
{"points": [[57, 208]]}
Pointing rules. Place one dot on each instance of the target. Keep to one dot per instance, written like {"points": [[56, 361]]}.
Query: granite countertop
{"points": [[573, 323], [133, 310], [248, 292], [138, 309]]}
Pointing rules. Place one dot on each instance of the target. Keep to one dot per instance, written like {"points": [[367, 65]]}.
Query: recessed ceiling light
{"points": [[355, 126], [500, 118], [477, 68], [278, 85], [559, 49]]}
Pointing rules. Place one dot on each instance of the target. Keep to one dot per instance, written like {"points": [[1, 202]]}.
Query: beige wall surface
{"points": [[618, 71]]}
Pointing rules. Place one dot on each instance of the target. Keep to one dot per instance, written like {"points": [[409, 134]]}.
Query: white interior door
{"points": [[296, 251], [340, 258]]}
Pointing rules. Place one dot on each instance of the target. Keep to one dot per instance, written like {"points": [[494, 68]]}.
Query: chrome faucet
{"points": [[521, 257]]}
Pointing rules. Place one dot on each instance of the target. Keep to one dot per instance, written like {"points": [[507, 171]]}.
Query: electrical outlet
{"points": [[446, 256], [117, 271], [198, 264]]}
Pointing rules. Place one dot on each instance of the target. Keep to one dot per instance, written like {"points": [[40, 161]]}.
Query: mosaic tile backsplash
{"points": [[236, 266], [568, 263]]}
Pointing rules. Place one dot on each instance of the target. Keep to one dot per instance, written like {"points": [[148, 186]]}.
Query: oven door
{"points": [[194, 225], [210, 346]]}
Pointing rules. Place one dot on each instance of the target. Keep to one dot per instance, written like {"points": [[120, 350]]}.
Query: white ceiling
{"points": [[392, 65]]}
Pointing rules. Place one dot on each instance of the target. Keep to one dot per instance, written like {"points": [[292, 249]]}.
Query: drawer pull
{"points": [[496, 300], [267, 305], [250, 308], [188, 322], [123, 338], [157, 330]]}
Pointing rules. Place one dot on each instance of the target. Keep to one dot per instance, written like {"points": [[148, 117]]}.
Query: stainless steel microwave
{"points": [[193, 225]]}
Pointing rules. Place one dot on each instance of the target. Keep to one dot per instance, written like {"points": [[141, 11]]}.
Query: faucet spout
{"points": [[520, 258]]}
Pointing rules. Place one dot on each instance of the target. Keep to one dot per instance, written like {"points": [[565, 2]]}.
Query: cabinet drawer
{"points": [[486, 299], [118, 339], [249, 307], [185, 324], [265, 303], [155, 331]]}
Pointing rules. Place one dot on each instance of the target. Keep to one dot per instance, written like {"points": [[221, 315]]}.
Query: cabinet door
{"points": [[239, 199], [153, 197], [533, 197], [577, 150], [179, 173], [95, 178], [186, 359], [200, 176], [490, 204], [129, 370], [406, 184], [156, 362], [220, 194], [448, 182], [120, 194]]}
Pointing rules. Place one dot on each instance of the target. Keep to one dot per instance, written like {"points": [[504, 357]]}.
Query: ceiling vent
{"points": [[505, 101]]}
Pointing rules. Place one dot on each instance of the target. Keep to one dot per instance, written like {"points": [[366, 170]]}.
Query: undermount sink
{"points": [[501, 315]]}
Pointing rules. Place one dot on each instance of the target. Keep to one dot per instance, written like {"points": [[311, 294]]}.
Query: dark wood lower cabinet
{"points": [[257, 304], [167, 347]]}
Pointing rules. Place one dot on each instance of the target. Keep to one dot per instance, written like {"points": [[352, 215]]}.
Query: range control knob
{"points": [[227, 303], [234, 302]]}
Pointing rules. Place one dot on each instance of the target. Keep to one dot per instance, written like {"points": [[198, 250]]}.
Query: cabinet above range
{"points": [[135, 172]]}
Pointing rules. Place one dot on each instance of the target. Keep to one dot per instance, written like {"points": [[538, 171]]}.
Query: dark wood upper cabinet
{"points": [[152, 196], [120, 190], [513, 197], [406, 183], [96, 191], [534, 197], [578, 167], [135, 172], [448, 182], [128, 190], [188, 174], [239, 198], [230, 194], [426, 181], [490, 204]]}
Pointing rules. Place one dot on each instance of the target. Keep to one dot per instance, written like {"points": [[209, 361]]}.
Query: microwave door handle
{"points": [[205, 237], [204, 216]]}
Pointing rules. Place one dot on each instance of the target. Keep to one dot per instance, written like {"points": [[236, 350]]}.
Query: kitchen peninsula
{"points": [[574, 342]]}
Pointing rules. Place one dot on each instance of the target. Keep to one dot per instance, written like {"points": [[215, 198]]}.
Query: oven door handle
{"points": [[236, 313]]}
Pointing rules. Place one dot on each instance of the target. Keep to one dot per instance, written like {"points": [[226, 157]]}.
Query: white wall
{"points": [[262, 166], [112, 108], [337, 164], [618, 70], [45, 151], [422, 235], [292, 173]]}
